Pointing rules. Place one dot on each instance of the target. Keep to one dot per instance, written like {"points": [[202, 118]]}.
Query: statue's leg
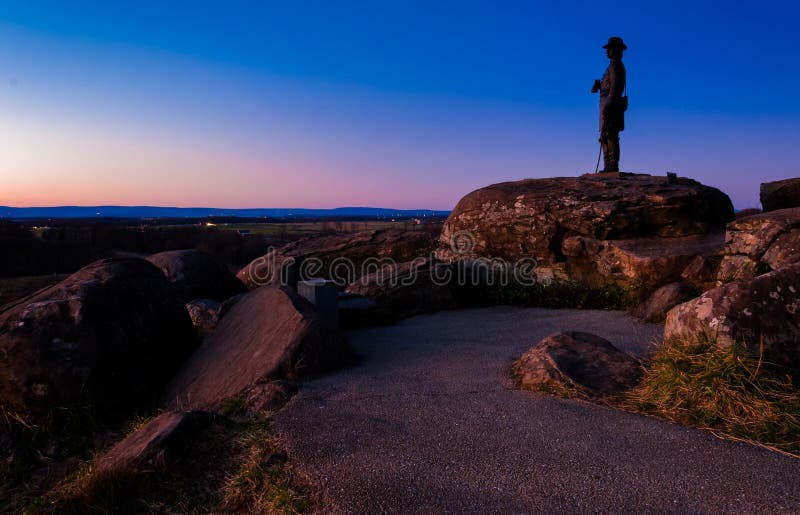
{"points": [[612, 161], [604, 144]]}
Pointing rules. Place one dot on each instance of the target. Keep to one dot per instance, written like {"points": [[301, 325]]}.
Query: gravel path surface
{"points": [[428, 422]]}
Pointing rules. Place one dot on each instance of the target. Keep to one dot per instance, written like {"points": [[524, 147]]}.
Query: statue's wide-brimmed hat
{"points": [[615, 42]]}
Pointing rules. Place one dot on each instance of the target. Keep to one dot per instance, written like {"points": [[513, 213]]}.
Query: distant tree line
{"points": [[64, 248], [58, 246]]}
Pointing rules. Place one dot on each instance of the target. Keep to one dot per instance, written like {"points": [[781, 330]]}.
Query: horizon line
{"points": [[152, 206]]}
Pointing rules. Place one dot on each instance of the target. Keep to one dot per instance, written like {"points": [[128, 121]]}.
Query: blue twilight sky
{"points": [[396, 104]]}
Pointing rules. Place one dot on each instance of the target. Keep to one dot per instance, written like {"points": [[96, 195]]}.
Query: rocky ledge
{"points": [[630, 230], [760, 243]]}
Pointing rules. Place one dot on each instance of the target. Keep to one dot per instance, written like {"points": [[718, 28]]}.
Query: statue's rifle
{"points": [[599, 153]]}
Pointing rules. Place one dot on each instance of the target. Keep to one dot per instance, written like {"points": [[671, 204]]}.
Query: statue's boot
{"points": [[611, 153], [609, 165]]}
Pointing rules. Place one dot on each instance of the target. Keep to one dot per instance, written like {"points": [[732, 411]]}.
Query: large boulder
{"points": [[577, 361], [759, 243], [764, 310], [343, 257], [780, 194], [110, 335], [197, 275], [270, 333], [532, 217], [634, 230]]}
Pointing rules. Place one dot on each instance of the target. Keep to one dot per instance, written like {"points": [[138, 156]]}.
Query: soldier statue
{"points": [[612, 104]]}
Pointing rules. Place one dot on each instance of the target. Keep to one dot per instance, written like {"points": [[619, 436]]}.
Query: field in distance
{"points": [[317, 227]]}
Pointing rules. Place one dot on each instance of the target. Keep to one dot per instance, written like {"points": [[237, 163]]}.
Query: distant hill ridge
{"points": [[15, 213]]}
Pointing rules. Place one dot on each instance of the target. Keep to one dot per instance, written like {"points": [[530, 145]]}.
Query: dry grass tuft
{"points": [[87, 492], [235, 467], [564, 390], [264, 482], [726, 390]]}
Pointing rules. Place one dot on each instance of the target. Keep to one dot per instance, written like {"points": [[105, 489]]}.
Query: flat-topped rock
{"points": [[531, 218], [780, 194], [636, 231]]}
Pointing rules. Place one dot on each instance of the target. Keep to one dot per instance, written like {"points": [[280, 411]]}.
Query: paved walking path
{"points": [[428, 422]]}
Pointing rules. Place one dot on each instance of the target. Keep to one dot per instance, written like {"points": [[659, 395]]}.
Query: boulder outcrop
{"points": [[780, 194], [110, 335], [759, 243], [270, 333], [643, 263], [578, 361], [635, 229], [343, 256], [764, 310], [197, 275]]}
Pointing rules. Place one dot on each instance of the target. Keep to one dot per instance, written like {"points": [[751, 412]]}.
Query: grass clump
{"points": [[263, 482], [30, 445], [232, 467], [727, 390], [85, 491], [563, 390], [233, 407]]}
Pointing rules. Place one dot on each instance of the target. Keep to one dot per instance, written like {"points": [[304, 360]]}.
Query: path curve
{"points": [[428, 422]]}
